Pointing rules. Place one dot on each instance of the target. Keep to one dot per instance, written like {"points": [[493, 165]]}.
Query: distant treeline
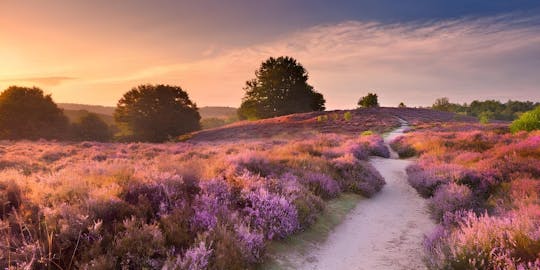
{"points": [[488, 109]]}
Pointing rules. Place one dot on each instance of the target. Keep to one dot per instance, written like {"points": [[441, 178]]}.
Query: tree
{"points": [[92, 128], [27, 113], [156, 113], [402, 105], [280, 87], [371, 100]]}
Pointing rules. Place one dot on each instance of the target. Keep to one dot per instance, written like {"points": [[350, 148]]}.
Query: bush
{"points": [[450, 197], [139, 246], [425, 181], [271, 214], [489, 243], [321, 185], [528, 121], [402, 148], [357, 176]]}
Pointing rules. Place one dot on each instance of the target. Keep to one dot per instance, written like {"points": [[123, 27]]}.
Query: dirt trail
{"points": [[384, 232]]}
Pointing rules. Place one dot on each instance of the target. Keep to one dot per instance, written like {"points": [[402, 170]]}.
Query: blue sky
{"points": [[409, 50]]}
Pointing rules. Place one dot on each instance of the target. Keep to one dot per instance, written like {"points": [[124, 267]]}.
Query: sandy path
{"points": [[384, 232]]}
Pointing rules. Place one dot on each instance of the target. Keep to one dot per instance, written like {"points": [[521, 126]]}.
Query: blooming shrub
{"points": [[271, 214], [402, 148], [450, 198], [483, 188], [196, 205]]}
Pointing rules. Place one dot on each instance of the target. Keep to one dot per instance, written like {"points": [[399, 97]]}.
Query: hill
{"points": [[75, 115], [98, 109], [206, 112], [217, 112], [340, 121]]}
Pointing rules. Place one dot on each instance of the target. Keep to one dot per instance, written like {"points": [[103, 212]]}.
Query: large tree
{"points": [[280, 87], [27, 113], [156, 113]]}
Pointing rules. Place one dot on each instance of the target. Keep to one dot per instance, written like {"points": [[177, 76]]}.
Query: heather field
{"points": [[186, 205], [482, 187], [219, 198]]}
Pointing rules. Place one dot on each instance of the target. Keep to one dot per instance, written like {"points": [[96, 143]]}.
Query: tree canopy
{"points": [[486, 109], [92, 128], [370, 100], [279, 88], [156, 113], [27, 113]]}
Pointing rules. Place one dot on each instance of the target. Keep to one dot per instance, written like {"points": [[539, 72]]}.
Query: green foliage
{"points": [[367, 133], [485, 117], [322, 118], [92, 128], [371, 100], [347, 116], [528, 121], [486, 110], [156, 113], [280, 87], [27, 113]]}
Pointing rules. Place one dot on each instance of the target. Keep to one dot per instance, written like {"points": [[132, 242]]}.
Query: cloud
{"points": [[464, 59], [46, 81]]}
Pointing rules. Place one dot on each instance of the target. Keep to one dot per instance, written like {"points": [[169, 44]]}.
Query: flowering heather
{"points": [[483, 187], [198, 205]]}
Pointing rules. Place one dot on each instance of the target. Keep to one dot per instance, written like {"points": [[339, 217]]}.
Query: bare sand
{"points": [[383, 232]]}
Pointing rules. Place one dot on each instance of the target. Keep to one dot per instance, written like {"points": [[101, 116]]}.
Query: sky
{"points": [[410, 51]]}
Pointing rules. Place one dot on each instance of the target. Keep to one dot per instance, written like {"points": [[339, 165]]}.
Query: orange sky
{"points": [[94, 57]]}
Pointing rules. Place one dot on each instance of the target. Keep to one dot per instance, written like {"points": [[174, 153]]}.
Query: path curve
{"points": [[383, 232]]}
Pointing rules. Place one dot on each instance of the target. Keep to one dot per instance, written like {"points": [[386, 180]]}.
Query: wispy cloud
{"points": [[416, 62], [45, 81], [495, 57]]}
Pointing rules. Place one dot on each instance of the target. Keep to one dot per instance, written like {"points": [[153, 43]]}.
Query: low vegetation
{"points": [[483, 187], [171, 206]]}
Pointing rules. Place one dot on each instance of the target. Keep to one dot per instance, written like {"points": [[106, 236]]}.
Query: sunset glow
{"points": [[94, 52]]}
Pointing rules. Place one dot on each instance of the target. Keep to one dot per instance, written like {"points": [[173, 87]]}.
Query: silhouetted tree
{"points": [[27, 113], [280, 87], [92, 128], [402, 105], [156, 113], [371, 100]]}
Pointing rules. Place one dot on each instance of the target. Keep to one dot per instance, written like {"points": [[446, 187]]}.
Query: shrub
{"points": [[528, 121], [251, 243], [486, 242], [425, 181], [139, 246], [375, 145], [10, 197], [357, 176], [321, 185], [347, 116], [271, 214], [402, 148], [450, 198], [195, 258]]}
